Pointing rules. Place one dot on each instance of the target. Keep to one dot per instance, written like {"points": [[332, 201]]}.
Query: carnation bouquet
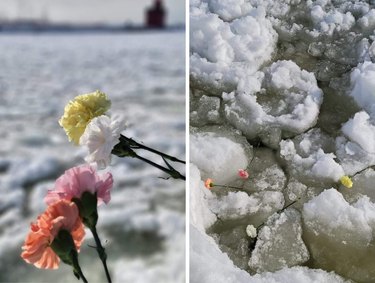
{"points": [[58, 233]]}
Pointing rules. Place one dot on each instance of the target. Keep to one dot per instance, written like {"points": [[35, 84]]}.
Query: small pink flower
{"points": [[243, 174], [78, 180]]}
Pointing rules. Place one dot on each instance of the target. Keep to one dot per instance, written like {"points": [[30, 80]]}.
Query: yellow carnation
{"points": [[346, 181], [79, 112]]}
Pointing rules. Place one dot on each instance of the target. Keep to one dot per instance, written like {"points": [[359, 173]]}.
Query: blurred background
{"points": [[133, 50]]}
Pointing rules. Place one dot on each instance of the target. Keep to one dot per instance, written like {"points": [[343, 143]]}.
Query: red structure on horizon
{"points": [[155, 16]]}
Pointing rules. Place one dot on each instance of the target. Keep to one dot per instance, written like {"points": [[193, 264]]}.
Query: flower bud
{"points": [[63, 245], [87, 206]]}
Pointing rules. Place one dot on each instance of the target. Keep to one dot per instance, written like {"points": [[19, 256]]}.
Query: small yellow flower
{"points": [[346, 181], [79, 112]]}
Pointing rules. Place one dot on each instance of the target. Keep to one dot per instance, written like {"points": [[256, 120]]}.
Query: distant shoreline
{"points": [[10, 28]]}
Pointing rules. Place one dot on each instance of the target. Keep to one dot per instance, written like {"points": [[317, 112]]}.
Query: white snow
{"points": [[218, 158], [362, 80], [331, 21], [306, 157], [225, 53], [330, 214], [356, 149], [361, 130], [200, 215], [290, 103]]}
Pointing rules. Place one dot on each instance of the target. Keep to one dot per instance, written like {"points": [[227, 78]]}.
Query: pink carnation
{"points": [[243, 174], [78, 180]]}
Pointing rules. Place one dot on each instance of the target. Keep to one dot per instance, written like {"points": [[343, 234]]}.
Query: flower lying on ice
{"points": [[79, 112], [251, 231], [77, 180], [62, 215], [243, 174], [208, 183], [100, 136], [346, 181]]}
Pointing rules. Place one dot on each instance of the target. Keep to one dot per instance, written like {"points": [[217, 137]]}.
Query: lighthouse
{"points": [[155, 16]]}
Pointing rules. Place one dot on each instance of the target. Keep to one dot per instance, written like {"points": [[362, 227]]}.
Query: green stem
{"points": [[173, 173], [78, 269], [101, 252], [225, 186], [133, 144], [125, 150]]}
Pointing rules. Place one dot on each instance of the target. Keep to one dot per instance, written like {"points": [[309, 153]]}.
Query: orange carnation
{"points": [[62, 215]]}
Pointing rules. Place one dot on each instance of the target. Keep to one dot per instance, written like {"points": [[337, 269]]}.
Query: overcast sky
{"points": [[88, 11]]}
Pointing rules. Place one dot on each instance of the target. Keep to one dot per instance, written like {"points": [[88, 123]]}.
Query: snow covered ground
{"points": [[143, 227], [284, 89]]}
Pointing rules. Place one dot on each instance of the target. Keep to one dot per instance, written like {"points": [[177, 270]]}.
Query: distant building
{"points": [[155, 16]]}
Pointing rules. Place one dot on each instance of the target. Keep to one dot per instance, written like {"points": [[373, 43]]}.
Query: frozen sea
{"points": [[143, 227], [284, 89]]}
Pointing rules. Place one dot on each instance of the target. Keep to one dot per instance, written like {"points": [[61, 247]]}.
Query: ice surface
{"points": [[279, 243], [303, 144], [28, 172], [210, 265]]}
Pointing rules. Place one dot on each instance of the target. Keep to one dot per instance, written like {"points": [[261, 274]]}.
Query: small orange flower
{"points": [[208, 183], [61, 215]]}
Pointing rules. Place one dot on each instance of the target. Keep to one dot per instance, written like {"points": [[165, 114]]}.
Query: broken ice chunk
{"points": [[330, 214], [200, 215], [230, 9], [236, 205], [291, 103], [217, 157], [272, 178], [226, 53], [356, 151], [331, 21], [207, 111], [361, 130], [280, 243], [362, 81], [336, 229], [363, 185], [306, 158], [265, 173]]}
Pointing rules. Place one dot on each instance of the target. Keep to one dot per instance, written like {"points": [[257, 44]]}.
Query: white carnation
{"points": [[100, 136], [251, 231]]}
